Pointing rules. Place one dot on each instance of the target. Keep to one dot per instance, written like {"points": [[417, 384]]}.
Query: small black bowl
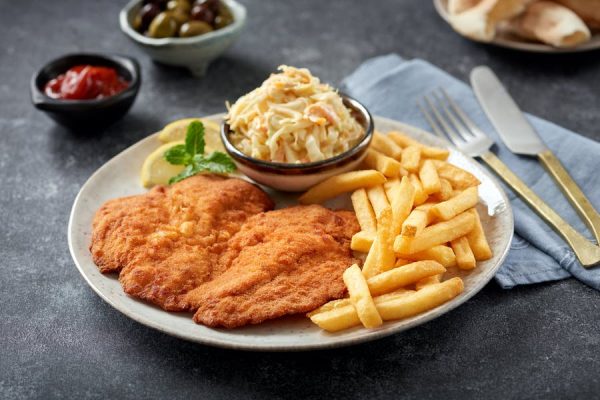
{"points": [[87, 115]]}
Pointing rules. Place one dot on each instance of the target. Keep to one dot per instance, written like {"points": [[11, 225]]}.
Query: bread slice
{"points": [[458, 6], [552, 24], [588, 10], [480, 22]]}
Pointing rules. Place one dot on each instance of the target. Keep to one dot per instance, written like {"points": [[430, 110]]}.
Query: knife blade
{"points": [[520, 137], [506, 117]]}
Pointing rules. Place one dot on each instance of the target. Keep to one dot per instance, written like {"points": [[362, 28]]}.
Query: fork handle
{"points": [[587, 253], [572, 192]]}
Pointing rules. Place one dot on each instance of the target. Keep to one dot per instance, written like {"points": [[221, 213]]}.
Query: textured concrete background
{"points": [[60, 340]]}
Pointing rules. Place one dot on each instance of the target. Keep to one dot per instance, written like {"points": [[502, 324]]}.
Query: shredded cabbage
{"points": [[292, 118]]}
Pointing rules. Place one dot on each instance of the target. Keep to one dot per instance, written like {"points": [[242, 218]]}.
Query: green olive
{"points": [[224, 17], [164, 25], [194, 28], [179, 16], [222, 22], [137, 22], [182, 5]]}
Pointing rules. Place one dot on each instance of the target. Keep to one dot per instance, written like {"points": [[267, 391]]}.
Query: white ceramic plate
{"points": [[505, 39], [120, 177]]}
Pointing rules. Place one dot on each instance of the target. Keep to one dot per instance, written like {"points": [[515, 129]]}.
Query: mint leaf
{"points": [[217, 162], [194, 138], [186, 173], [178, 155], [191, 154]]}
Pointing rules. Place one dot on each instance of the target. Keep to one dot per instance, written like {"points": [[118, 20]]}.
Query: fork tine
{"points": [[462, 131], [466, 121], [450, 133], [434, 125]]}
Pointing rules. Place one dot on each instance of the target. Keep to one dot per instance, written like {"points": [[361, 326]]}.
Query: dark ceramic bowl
{"points": [[87, 115], [299, 177]]}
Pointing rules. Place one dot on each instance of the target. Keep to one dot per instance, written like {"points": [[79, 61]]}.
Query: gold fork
{"points": [[449, 121]]}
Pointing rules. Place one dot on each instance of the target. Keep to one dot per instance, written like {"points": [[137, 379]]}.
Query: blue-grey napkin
{"points": [[389, 86]]}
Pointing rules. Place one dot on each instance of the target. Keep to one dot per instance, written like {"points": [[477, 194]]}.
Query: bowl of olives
{"points": [[183, 33]]}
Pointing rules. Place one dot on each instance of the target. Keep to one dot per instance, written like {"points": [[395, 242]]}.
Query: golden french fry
{"points": [[342, 183], [361, 297], [396, 294], [378, 199], [336, 319], [436, 234], [445, 192], [477, 241], [411, 157], [331, 305], [345, 302], [440, 253], [340, 314], [364, 212], [381, 255], [382, 163], [425, 206], [401, 261], [430, 280], [464, 255], [452, 207], [385, 145], [420, 195], [362, 241], [403, 140], [370, 266], [429, 178], [341, 303], [401, 276], [414, 224], [403, 196], [422, 300], [385, 239], [388, 186], [434, 153], [458, 177]]}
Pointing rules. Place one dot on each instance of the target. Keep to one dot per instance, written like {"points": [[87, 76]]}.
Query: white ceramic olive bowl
{"points": [[194, 53], [299, 177]]}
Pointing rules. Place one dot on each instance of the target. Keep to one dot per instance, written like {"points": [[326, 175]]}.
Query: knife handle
{"points": [[572, 192], [587, 253]]}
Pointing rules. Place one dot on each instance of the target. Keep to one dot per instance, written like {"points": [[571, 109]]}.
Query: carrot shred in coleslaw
{"points": [[292, 118]]}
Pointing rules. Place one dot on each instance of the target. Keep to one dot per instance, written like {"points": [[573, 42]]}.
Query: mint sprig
{"points": [[194, 138], [191, 154]]}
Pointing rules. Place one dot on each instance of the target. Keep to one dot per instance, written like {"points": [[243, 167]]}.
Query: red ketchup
{"points": [[86, 82]]}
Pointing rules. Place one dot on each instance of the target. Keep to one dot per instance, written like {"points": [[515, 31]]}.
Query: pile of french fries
{"points": [[418, 218]]}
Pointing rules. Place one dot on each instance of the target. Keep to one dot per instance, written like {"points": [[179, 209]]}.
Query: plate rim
{"points": [[526, 46], [343, 342]]}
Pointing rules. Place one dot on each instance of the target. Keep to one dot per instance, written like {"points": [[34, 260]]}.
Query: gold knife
{"points": [[520, 137]]}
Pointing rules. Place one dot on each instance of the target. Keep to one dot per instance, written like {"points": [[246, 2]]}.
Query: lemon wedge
{"points": [[156, 170], [176, 131]]}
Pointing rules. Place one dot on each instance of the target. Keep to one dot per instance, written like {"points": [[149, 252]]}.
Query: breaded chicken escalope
{"points": [[281, 262], [168, 241]]}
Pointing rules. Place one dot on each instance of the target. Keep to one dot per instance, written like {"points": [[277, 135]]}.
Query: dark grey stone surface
{"points": [[58, 339]]}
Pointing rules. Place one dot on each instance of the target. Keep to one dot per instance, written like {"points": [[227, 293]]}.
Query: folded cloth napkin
{"points": [[389, 86]]}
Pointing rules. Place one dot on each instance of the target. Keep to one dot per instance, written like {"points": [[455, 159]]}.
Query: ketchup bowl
{"points": [[87, 115]]}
